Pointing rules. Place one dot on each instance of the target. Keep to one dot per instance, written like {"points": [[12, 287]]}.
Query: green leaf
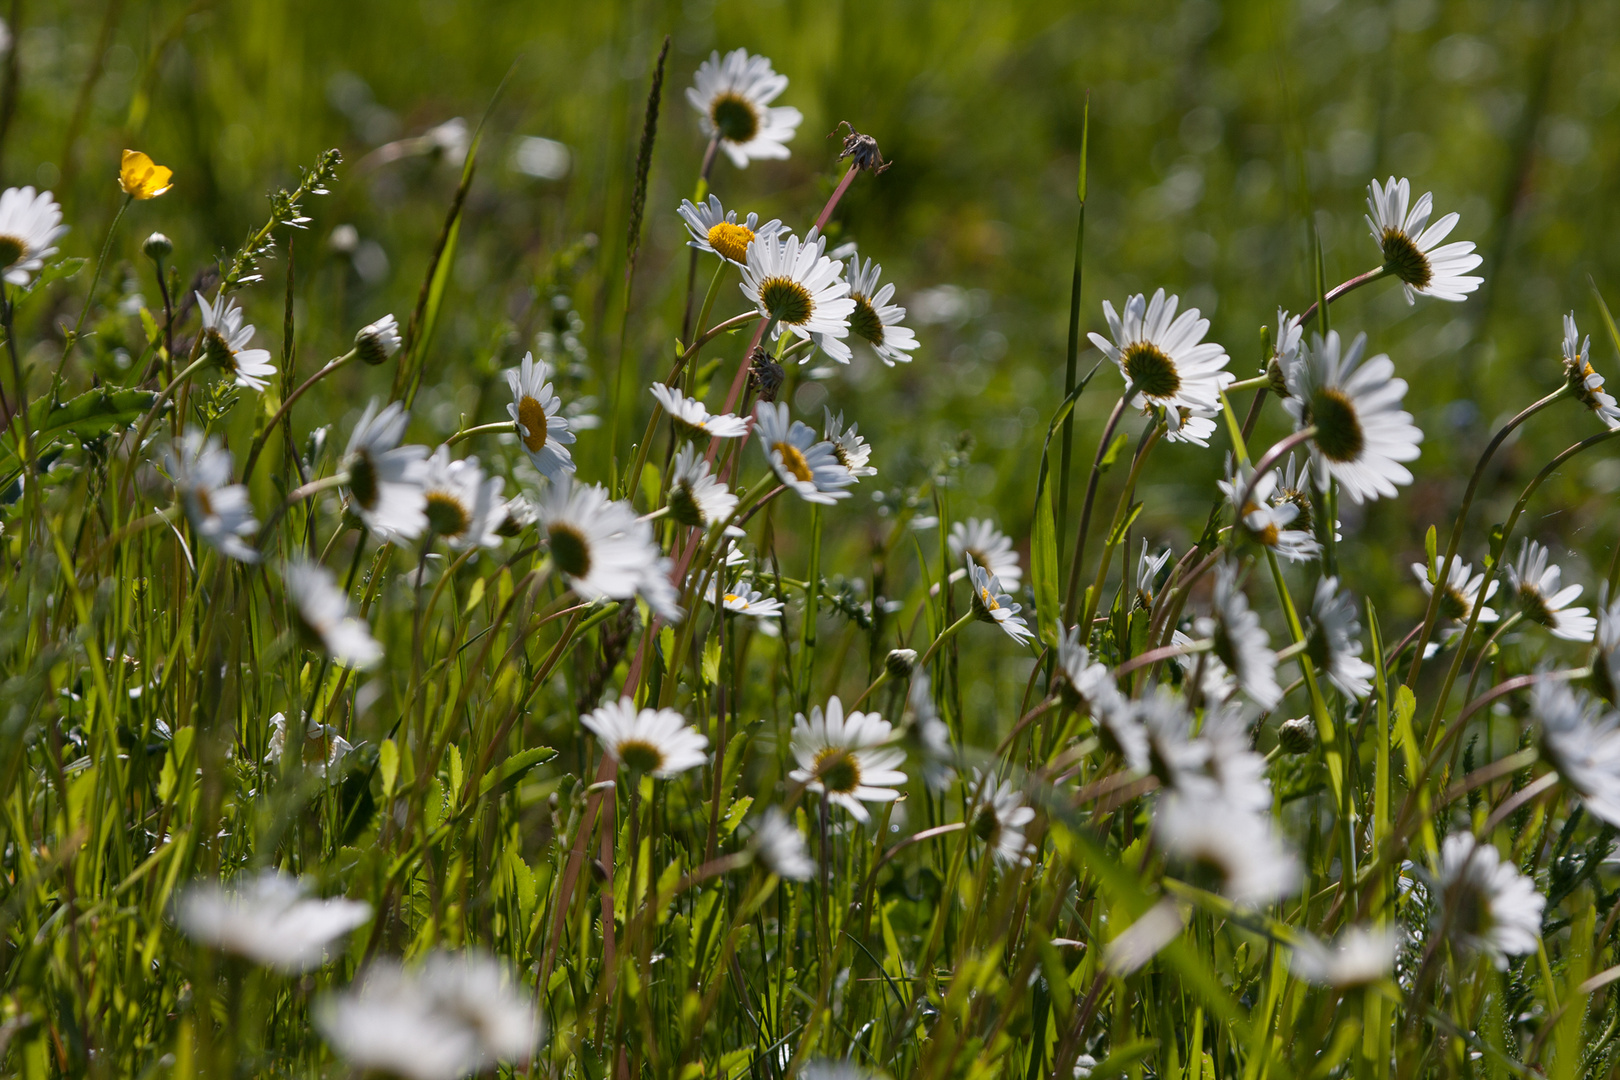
{"points": [[1043, 564], [1115, 448], [90, 414], [734, 815], [388, 766], [60, 270], [711, 661], [1430, 547], [514, 768], [1120, 1061]]}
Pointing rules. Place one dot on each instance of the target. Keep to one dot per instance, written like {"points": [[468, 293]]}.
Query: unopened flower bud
{"points": [[157, 247], [765, 373], [379, 341], [519, 514], [1297, 736], [900, 663]]}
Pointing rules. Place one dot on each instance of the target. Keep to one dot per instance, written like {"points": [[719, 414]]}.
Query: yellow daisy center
{"points": [[532, 415], [838, 770], [731, 240], [793, 461], [988, 600]]}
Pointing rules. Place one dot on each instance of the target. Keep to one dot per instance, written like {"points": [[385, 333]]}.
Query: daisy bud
{"points": [[862, 150], [379, 341], [765, 373], [1297, 736], [157, 247], [900, 663]]}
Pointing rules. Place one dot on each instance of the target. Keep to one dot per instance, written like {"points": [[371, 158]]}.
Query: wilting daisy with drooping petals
{"points": [[808, 466], [30, 225], [220, 511], [1582, 741], [1534, 582], [1168, 363], [1412, 247], [385, 478], [269, 918], [225, 342], [1484, 903], [603, 549], [989, 547], [800, 290], [733, 98], [716, 230], [1362, 433], [692, 418], [323, 615], [536, 411], [658, 742], [847, 759], [1334, 640], [1583, 378], [875, 319], [463, 506]]}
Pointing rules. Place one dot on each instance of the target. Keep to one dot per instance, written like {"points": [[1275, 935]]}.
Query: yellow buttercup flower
{"points": [[143, 178]]}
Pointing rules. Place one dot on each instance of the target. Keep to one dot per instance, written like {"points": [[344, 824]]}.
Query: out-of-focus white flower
{"points": [[1242, 643], [999, 819], [385, 478], [1335, 640], [268, 918], [779, 846], [220, 511], [604, 549], [1582, 741], [30, 225], [1234, 850], [323, 614], [989, 547], [852, 451], [733, 98], [1535, 586], [654, 741], [1361, 956], [323, 749], [1484, 903]]}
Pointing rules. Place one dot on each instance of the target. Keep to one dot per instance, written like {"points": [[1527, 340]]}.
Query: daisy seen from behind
{"points": [[801, 291], [603, 549], [852, 451], [1534, 582], [657, 742], [1485, 904], [1582, 741], [1241, 643], [376, 343], [1583, 379], [1334, 640], [536, 412], [692, 418], [733, 96], [226, 338], [999, 818], [848, 760], [874, 319], [1167, 363], [696, 497], [1412, 247]]}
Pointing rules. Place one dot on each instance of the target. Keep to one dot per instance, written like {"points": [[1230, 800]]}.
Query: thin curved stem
{"points": [[1309, 314], [1076, 561], [286, 407]]}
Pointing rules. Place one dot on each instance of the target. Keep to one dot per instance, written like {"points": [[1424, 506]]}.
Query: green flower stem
{"points": [[493, 427], [812, 597], [1078, 558], [1093, 597], [296, 496], [89, 297], [1432, 614], [1341, 289], [944, 636], [286, 407]]}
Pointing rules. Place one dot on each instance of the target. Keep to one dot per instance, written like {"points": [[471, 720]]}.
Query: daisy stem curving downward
{"points": [[1339, 290], [286, 407]]}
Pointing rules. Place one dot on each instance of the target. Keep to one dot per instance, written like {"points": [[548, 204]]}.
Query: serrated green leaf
{"points": [[734, 815], [93, 413], [388, 766], [60, 270]]}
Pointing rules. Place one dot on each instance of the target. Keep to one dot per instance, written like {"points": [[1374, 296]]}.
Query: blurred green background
{"points": [[1218, 131]]}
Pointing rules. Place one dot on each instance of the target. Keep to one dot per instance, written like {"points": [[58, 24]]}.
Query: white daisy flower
{"points": [[992, 605], [385, 478], [696, 498], [1582, 741], [779, 846], [449, 1017], [1232, 850], [269, 918], [1241, 643], [1168, 362], [1290, 335], [322, 610], [828, 1069], [1232, 768], [979, 539], [1362, 433], [875, 319], [1264, 521], [999, 819], [463, 506], [604, 549], [379, 341], [1334, 640], [847, 760], [323, 749], [1411, 246], [733, 98], [654, 741], [808, 467], [853, 452], [516, 516], [1169, 750], [537, 413], [1215, 683], [1086, 686], [1606, 664], [1361, 956], [1293, 489], [928, 736], [1485, 903], [1583, 378], [800, 290], [30, 225], [716, 230], [739, 599], [225, 341], [220, 511], [1535, 586], [1460, 594], [1147, 574], [691, 418]]}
